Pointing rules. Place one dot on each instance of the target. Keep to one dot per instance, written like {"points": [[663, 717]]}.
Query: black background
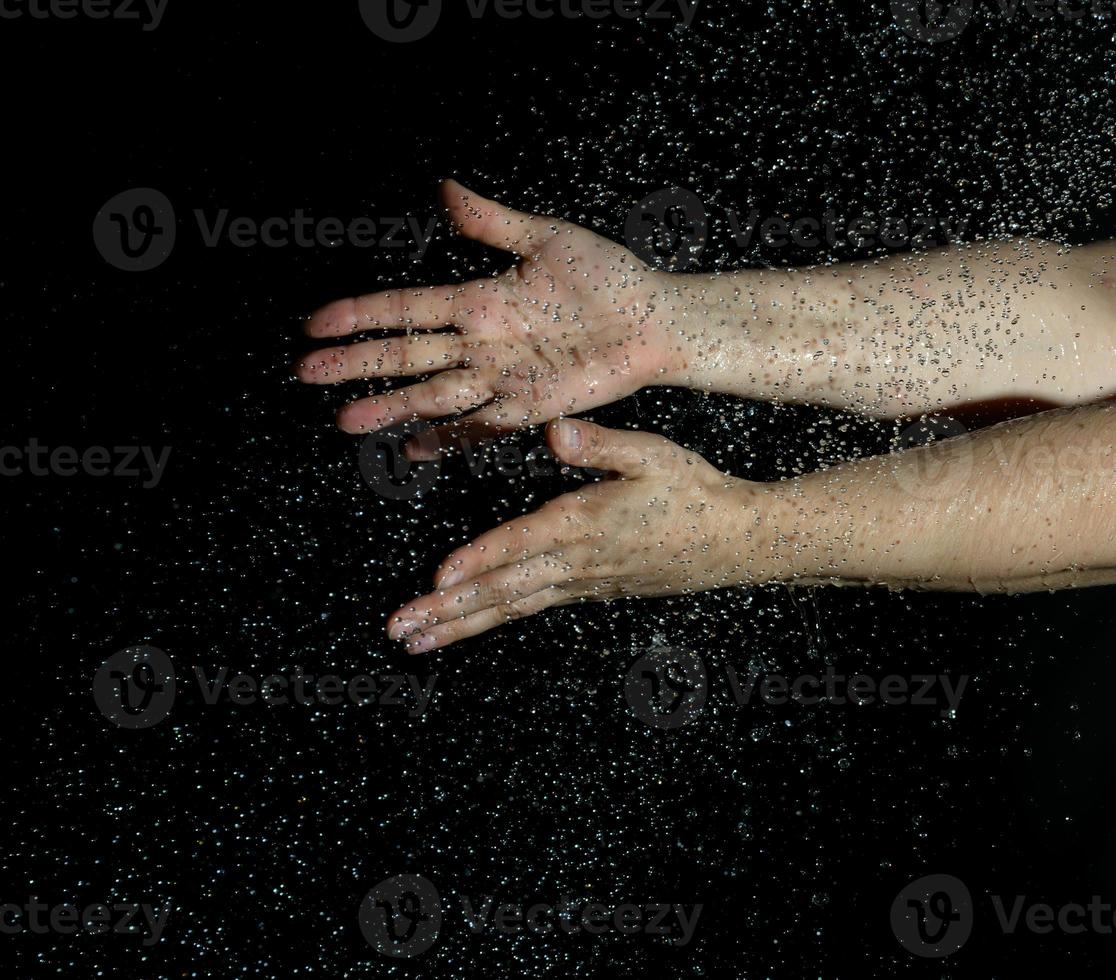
{"points": [[262, 549]]}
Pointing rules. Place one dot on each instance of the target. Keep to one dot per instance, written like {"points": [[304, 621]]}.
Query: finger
{"points": [[501, 586], [488, 221], [432, 306], [481, 622], [546, 529], [486, 423], [630, 454], [419, 353], [447, 393]]}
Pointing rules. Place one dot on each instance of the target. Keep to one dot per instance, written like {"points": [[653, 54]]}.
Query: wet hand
{"points": [[578, 322], [668, 523]]}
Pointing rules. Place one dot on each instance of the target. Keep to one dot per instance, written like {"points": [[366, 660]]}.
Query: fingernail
{"points": [[573, 434], [401, 628]]}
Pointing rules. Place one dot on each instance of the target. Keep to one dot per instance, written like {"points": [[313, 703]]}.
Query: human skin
{"points": [[579, 322], [1022, 506]]}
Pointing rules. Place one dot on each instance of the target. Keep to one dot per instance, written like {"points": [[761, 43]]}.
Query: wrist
{"points": [[810, 530], [847, 525], [864, 522], [763, 533], [713, 332]]}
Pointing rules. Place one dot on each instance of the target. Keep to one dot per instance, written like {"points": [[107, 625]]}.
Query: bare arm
{"points": [[1023, 506], [907, 334], [580, 322]]}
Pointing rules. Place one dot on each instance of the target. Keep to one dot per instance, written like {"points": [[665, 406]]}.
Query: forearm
{"points": [[906, 334], [1022, 506]]}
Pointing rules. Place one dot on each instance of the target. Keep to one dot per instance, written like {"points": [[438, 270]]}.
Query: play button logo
{"points": [[401, 21]]}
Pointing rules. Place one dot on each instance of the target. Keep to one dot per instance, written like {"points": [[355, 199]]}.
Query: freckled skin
{"points": [[573, 325], [1022, 506], [579, 322], [670, 524]]}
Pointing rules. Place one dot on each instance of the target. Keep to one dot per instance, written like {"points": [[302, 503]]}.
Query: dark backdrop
{"points": [[262, 548]]}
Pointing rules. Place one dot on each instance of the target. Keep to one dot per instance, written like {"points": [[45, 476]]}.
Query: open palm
{"points": [[578, 322]]}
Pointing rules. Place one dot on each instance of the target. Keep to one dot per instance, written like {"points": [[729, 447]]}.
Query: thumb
{"points": [[488, 221], [581, 443]]}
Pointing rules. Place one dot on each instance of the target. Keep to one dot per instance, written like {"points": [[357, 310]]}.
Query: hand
{"points": [[669, 524], [573, 326]]}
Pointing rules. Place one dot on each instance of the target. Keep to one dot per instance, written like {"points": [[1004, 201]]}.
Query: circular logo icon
{"points": [[933, 916], [668, 229], [931, 20], [939, 464], [402, 916], [401, 20], [667, 687], [388, 471], [135, 688], [135, 230]]}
